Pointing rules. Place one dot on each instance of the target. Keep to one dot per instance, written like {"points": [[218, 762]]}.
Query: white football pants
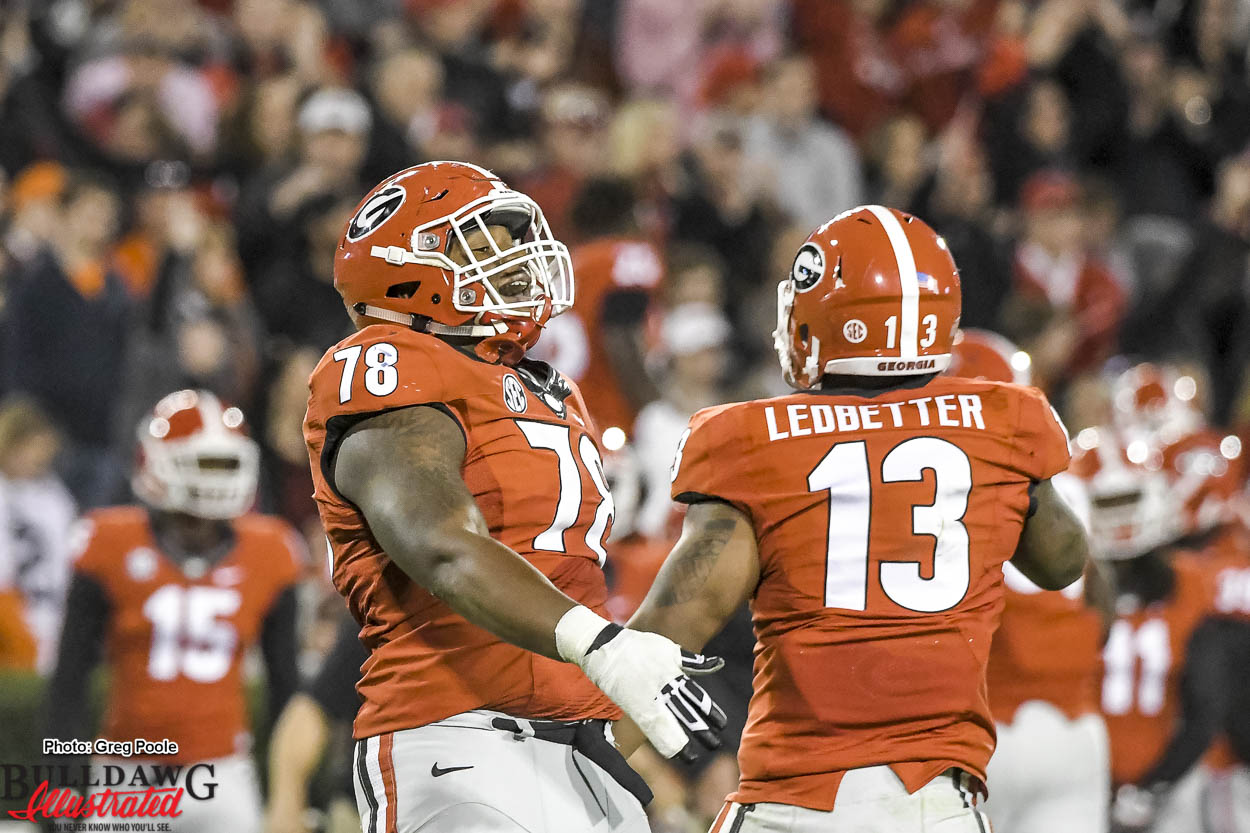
{"points": [[1050, 773], [870, 800], [461, 775]]}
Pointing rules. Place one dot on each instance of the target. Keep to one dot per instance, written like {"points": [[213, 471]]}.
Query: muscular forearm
{"points": [[494, 588], [710, 572]]}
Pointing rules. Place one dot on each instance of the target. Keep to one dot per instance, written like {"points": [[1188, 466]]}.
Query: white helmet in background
{"points": [[195, 457], [1131, 507]]}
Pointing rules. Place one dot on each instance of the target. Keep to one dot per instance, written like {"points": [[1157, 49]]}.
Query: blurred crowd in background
{"points": [[175, 175]]}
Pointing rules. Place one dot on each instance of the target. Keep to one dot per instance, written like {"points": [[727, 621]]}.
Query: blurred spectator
{"points": [[456, 30], [143, 103], [334, 125], [574, 148], [407, 88], [1158, 169], [723, 205], [1205, 315], [691, 362], [1065, 307], [280, 36], [664, 48], [295, 296], [158, 208], [1030, 130], [68, 326], [814, 166], [36, 516], [903, 166], [262, 133], [33, 197], [941, 44], [861, 80], [199, 329], [960, 207]]}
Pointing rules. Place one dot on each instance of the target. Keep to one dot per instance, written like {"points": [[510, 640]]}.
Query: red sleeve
{"points": [[1041, 437], [699, 468], [90, 547], [381, 368]]}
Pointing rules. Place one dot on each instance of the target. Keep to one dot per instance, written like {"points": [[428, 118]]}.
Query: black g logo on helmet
{"points": [[377, 210], [808, 268]]}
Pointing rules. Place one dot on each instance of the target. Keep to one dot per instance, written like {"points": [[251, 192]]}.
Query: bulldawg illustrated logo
{"points": [[81, 793]]}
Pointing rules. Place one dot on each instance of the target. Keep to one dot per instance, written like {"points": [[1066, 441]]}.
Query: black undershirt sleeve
{"points": [[87, 611], [1238, 632], [1204, 704], [279, 645], [624, 308], [334, 687]]}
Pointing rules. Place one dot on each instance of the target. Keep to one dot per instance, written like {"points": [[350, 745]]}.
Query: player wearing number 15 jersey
{"points": [[868, 516], [176, 592], [461, 488]]}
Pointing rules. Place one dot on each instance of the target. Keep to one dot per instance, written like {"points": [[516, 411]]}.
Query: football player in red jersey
{"points": [[1164, 691], [462, 491], [1050, 769], [867, 515], [176, 592]]}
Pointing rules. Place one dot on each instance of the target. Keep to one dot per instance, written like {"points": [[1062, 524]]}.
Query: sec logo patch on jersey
{"points": [[514, 394]]}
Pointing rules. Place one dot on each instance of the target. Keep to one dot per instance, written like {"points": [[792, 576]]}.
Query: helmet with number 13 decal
{"points": [[447, 248], [872, 292]]}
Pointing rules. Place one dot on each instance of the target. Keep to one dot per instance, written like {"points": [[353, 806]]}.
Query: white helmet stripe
{"points": [[909, 317], [211, 413]]}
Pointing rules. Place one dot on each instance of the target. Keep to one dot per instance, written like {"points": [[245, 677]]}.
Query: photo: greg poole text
{"points": [[112, 748]]}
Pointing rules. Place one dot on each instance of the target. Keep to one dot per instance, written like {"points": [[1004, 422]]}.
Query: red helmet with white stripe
{"points": [[395, 260], [195, 457], [981, 354], [872, 292]]}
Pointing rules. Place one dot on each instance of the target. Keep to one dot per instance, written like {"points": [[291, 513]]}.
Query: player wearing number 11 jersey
{"points": [[867, 516]]}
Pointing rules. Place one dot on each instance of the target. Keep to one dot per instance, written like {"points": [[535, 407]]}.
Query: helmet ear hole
{"points": [[403, 290]]}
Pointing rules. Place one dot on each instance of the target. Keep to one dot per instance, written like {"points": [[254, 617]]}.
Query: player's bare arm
{"points": [[402, 468], [1053, 548], [711, 571]]}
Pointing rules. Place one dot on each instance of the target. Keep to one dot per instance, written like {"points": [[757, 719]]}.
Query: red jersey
{"points": [[882, 523], [1046, 648], [177, 635], [615, 278], [1142, 664], [534, 469], [1228, 559]]}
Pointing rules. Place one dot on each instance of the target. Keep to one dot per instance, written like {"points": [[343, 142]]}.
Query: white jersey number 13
{"points": [[844, 475]]}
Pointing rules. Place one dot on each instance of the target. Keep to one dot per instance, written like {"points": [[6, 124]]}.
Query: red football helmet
{"points": [[1132, 507], [872, 292], [195, 457], [981, 354], [393, 259], [1156, 403]]}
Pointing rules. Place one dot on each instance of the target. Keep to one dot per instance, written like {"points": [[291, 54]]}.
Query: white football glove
{"points": [[645, 674], [1133, 808]]}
